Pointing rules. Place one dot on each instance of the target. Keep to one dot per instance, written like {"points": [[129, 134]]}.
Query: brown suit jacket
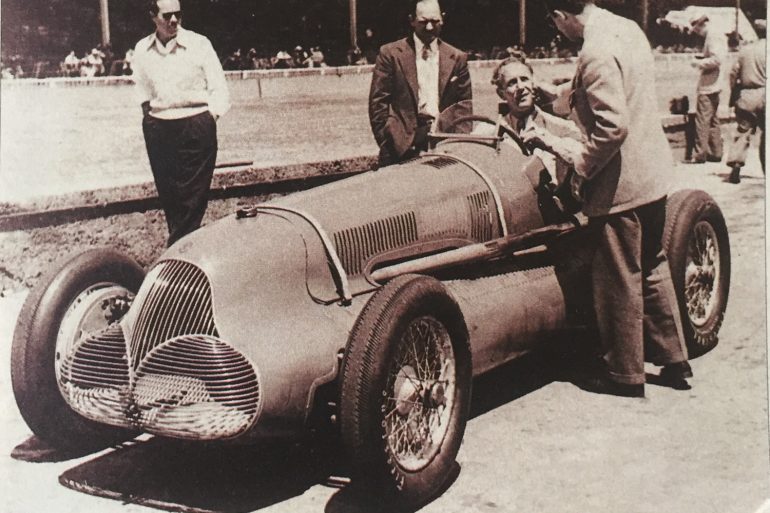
{"points": [[626, 158], [393, 93]]}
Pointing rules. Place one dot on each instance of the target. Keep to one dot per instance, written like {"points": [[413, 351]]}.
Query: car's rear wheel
{"points": [[698, 250], [84, 294], [406, 385]]}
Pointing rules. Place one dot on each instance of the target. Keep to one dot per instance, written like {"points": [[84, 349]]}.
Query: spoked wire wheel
{"points": [[698, 249], [82, 295], [702, 274], [405, 391], [419, 394]]}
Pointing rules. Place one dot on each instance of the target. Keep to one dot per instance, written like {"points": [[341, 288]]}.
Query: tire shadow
{"points": [[197, 477], [201, 478]]}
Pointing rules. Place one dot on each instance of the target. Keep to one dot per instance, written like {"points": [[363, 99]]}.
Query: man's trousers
{"points": [[750, 117], [182, 155], [708, 135], [636, 306]]}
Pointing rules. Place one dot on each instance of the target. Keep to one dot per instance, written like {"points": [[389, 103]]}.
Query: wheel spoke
{"points": [[416, 418]]}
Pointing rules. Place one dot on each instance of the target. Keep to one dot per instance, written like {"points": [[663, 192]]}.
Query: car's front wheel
{"points": [[83, 295], [406, 385]]}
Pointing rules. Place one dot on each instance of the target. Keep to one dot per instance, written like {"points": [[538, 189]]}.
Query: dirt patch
{"points": [[28, 253]]}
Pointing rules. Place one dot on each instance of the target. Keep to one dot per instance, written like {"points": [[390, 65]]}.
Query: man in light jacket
{"points": [[621, 175]]}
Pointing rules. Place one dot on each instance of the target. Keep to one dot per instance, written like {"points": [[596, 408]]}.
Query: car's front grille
{"points": [[174, 376], [176, 302]]}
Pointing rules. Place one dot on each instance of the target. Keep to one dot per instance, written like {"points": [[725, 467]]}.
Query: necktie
{"points": [[426, 52]]}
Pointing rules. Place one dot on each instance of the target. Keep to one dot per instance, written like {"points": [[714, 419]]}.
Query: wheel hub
{"points": [[702, 274]]}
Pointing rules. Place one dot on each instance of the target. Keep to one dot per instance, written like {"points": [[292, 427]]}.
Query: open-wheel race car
{"points": [[370, 303]]}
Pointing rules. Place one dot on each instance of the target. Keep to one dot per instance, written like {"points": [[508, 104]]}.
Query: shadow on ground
{"points": [[218, 478]]}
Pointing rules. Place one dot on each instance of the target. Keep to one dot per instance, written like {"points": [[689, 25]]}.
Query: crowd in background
{"points": [[102, 61]]}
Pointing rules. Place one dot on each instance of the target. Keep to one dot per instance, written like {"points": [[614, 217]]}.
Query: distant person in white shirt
{"points": [[71, 63], [711, 63], [183, 92]]}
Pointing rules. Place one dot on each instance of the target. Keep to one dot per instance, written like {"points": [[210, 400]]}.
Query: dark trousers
{"points": [[708, 135], [182, 155], [634, 297]]}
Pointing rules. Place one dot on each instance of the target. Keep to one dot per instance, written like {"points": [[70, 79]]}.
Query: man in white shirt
{"points": [[414, 79], [182, 90], [708, 136]]}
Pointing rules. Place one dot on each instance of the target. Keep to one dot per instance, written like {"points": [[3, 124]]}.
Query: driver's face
{"points": [[516, 88]]}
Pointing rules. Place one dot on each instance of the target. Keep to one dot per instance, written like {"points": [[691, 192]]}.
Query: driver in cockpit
{"points": [[514, 80]]}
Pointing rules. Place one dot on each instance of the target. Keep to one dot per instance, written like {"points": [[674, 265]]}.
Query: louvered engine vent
{"points": [[481, 212], [355, 246], [440, 162]]}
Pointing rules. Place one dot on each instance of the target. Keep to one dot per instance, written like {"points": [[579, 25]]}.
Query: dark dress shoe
{"points": [[605, 385], [675, 375], [714, 159], [693, 161]]}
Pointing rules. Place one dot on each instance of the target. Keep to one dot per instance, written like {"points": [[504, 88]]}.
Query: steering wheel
{"points": [[483, 119]]}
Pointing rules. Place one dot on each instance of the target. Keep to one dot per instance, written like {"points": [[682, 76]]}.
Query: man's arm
{"points": [[715, 53], [380, 94], [142, 86], [603, 84], [219, 96]]}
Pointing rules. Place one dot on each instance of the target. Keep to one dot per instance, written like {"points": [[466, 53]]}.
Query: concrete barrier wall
{"points": [[273, 82]]}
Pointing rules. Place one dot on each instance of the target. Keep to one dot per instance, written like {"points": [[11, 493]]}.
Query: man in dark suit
{"points": [[621, 176], [414, 79]]}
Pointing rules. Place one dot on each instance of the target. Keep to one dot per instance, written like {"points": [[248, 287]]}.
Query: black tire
{"points": [[698, 249], [34, 351], [373, 366]]}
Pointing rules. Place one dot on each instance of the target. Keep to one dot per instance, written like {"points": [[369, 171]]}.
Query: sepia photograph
{"points": [[383, 256]]}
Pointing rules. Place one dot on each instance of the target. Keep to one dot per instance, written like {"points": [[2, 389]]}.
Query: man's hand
{"points": [[537, 137], [576, 186]]}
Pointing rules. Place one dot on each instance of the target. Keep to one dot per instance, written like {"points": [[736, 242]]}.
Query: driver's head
{"points": [[514, 80], [427, 20]]}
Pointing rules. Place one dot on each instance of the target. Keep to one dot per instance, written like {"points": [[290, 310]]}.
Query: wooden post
{"points": [[105, 17], [645, 16], [353, 25], [522, 23]]}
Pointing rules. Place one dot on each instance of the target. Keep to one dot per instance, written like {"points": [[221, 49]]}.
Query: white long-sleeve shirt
{"points": [[180, 79], [713, 61]]}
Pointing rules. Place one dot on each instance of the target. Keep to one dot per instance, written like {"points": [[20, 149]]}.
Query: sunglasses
{"points": [[168, 15]]}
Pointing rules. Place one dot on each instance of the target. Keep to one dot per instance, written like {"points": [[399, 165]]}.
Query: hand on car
{"points": [[538, 137], [576, 186]]}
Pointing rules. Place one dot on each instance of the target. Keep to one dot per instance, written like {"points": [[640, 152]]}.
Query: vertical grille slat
{"points": [[355, 246], [177, 303]]}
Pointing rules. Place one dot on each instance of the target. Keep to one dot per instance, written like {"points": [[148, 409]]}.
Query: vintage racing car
{"points": [[370, 303]]}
